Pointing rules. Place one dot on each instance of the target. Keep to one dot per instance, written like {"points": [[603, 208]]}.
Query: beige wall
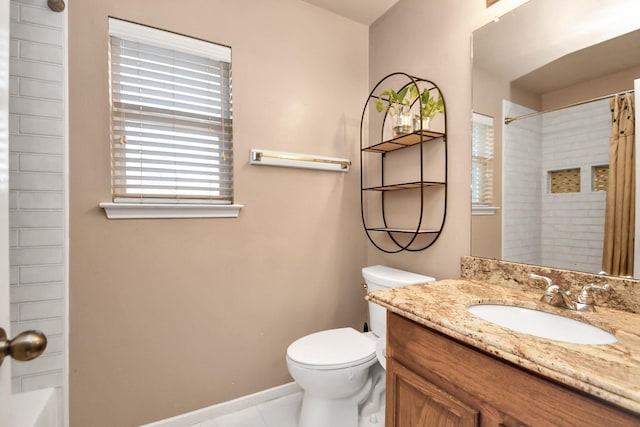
{"points": [[167, 316], [488, 92], [162, 320], [616, 82], [486, 230], [432, 40]]}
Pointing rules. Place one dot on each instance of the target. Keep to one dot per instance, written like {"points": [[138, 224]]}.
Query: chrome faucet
{"points": [[585, 299], [556, 296]]}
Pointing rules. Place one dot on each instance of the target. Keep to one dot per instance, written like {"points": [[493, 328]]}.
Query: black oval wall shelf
{"points": [[386, 225]]}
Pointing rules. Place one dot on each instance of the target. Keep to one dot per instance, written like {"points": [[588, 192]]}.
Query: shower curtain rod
{"points": [[508, 120]]}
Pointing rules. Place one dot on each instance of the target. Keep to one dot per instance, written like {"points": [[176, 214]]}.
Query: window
{"points": [[482, 162], [171, 118]]}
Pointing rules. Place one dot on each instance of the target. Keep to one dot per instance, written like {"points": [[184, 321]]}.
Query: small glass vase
{"points": [[401, 122], [418, 125]]}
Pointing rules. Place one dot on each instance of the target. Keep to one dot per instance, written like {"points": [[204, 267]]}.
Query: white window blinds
{"points": [[171, 117], [482, 160]]}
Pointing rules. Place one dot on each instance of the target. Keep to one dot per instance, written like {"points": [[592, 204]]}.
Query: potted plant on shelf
{"points": [[430, 107], [398, 105]]}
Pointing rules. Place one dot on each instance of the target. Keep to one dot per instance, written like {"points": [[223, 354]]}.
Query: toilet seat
{"points": [[332, 349]]}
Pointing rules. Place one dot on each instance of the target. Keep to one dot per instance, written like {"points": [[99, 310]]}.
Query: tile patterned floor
{"points": [[282, 412]]}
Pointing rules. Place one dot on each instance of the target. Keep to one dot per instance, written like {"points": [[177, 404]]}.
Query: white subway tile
{"points": [[14, 162], [41, 309], [42, 16], [41, 163], [570, 218], [40, 200], [55, 343], [13, 200], [44, 363], [41, 274], [36, 144], [14, 311], [41, 237], [36, 33], [36, 181], [35, 70], [13, 238], [39, 3], [36, 382], [31, 293], [14, 125], [14, 48], [14, 12], [41, 126], [41, 52], [14, 86], [34, 256], [41, 89], [48, 326], [39, 219], [36, 107], [14, 275]]}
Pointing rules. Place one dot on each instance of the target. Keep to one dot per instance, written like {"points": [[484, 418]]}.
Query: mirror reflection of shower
{"points": [[557, 167], [542, 55]]}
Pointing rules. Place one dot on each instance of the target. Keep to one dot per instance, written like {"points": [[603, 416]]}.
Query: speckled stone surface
{"points": [[611, 372], [623, 295]]}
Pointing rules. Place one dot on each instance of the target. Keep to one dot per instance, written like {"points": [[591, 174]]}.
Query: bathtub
{"points": [[39, 408]]}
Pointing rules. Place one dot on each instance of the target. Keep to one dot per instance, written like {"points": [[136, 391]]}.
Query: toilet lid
{"points": [[344, 346]]}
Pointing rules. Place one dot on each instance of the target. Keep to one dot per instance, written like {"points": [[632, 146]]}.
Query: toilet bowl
{"points": [[332, 367], [341, 370]]}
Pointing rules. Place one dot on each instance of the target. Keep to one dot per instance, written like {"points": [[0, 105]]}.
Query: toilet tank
{"points": [[380, 277]]}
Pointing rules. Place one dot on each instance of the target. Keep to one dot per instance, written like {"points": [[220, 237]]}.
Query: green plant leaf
{"points": [[430, 107], [395, 99], [413, 93], [401, 95], [425, 97]]}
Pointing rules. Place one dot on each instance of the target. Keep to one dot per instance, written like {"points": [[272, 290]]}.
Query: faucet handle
{"points": [[545, 278], [586, 297], [554, 294]]}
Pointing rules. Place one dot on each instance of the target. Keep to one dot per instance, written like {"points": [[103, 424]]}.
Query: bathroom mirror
{"points": [[542, 56]]}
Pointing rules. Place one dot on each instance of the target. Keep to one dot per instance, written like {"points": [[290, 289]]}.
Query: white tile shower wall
{"points": [[37, 217], [521, 203], [573, 223]]}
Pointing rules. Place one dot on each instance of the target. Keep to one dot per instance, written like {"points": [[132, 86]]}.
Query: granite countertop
{"points": [[610, 372]]}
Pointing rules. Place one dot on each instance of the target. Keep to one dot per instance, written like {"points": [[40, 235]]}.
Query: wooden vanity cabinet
{"points": [[436, 381]]}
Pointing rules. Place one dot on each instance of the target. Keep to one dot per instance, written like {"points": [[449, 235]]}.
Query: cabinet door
{"points": [[415, 402]]}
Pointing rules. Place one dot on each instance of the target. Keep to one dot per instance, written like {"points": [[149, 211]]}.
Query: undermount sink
{"points": [[542, 324]]}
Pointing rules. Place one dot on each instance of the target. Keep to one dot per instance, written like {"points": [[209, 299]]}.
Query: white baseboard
{"points": [[224, 408]]}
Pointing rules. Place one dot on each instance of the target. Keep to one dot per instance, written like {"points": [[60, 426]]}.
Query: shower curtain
{"points": [[619, 228]]}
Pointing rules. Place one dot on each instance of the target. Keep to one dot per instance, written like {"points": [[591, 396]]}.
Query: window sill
{"points": [[484, 210], [165, 210]]}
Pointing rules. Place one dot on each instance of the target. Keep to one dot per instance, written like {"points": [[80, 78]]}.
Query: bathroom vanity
{"points": [[447, 367]]}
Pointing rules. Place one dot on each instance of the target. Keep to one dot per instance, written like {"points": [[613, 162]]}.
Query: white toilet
{"points": [[338, 369]]}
